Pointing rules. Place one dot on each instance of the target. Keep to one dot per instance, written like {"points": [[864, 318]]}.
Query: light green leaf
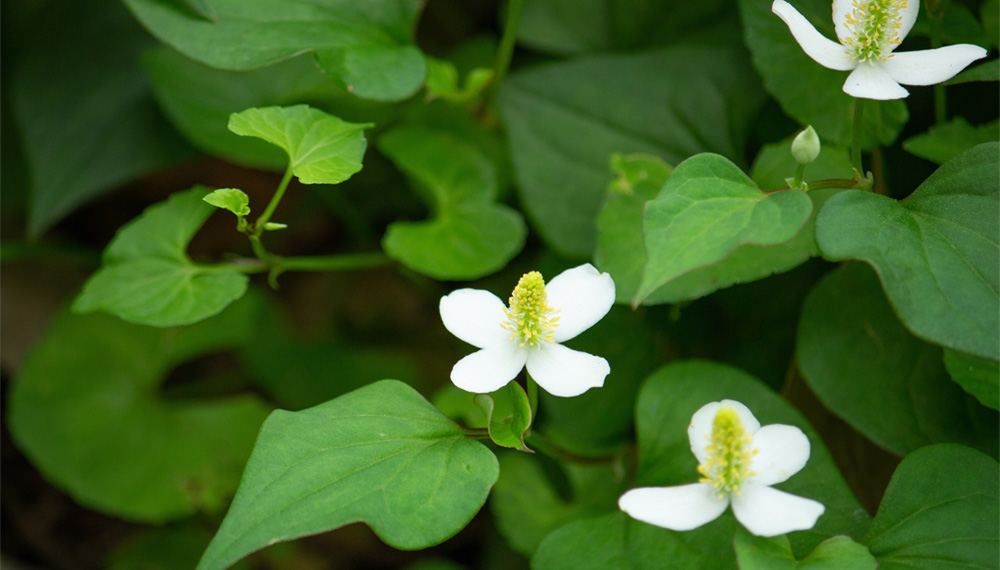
{"points": [[509, 415], [977, 376], [936, 252], [941, 509], [322, 149], [945, 141], [564, 120], [147, 277], [469, 235], [85, 408], [232, 199], [380, 454], [808, 92], [442, 81], [366, 47], [84, 108], [707, 209], [837, 553], [870, 371]]}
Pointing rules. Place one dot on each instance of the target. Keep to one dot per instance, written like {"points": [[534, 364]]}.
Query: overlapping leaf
{"points": [[837, 553], [509, 415]]}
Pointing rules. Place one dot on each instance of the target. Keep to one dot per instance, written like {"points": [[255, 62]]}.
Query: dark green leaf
{"points": [[978, 376], [986, 71], [147, 277], [941, 510], [86, 411], [945, 141], [169, 548], [84, 108], [469, 235], [837, 553], [509, 415], [808, 92], [322, 149], [366, 47], [936, 252], [380, 454], [707, 208], [565, 120]]}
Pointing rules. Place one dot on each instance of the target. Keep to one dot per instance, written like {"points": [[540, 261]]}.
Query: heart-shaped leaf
{"points": [[936, 252], [470, 234], [366, 47], [148, 278], [232, 199], [380, 454], [837, 553], [322, 149], [509, 414], [946, 141]]}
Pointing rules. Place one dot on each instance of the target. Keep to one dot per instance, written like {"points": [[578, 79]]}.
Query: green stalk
{"points": [[506, 49], [532, 397], [859, 110], [333, 262], [940, 101], [258, 227]]}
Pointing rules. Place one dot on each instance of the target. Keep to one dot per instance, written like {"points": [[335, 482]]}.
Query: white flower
{"points": [[868, 31], [529, 332], [739, 461]]}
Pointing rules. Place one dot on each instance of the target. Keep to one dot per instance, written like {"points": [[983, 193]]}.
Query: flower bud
{"points": [[805, 147]]}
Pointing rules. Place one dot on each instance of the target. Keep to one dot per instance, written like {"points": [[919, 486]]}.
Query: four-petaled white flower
{"points": [[739, 461], [868, 31], [529, 331]]}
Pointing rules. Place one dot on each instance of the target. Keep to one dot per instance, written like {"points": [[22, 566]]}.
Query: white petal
{"points": [[781, 452], [824, 51], [582, 295], [870, 81], [909, 16], [489, 369], [769, 512], [474, 316], [700, 429], [684, 507], [565, 372], [931, 66]]}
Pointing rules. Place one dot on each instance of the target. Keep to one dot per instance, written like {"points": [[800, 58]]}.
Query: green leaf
{"points": [[986, 71], [564, 120], [322, 149], [977, 376], [936, 252], [837, 553], [85, 409], [469, 235], [84, 108], [774, 164], [940, 510], [232, 199], [147, 277], [707, 209], [380, 454], [170, 548], [808, 92], [945, 141], [442, 81], [509, 415], [365, 47], [869, 370]]}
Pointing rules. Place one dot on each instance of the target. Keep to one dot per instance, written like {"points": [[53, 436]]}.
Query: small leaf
{"points": [[936, 252], [941, 506], [147, 277], [442, 81], [837, 553], [470, 234], [380, 454], [509, 415], [232, 199], [322, 149], [947, 140], [707, 208], [977, 376]]}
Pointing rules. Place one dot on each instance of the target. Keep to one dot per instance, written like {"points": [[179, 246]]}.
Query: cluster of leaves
{"points": [[623, 141]]}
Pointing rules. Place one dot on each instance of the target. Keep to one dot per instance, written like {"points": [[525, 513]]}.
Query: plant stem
{"points": [[532, 397], [333, 262], [506, 49], [940, 101], [258, 227], [799, 172], [859, 110]]}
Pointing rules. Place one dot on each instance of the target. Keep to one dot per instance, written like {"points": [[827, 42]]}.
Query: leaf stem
{"points": [[506, 49], [859, 110], [940, 100], [258, 227], [341, 262], [532, 397]]}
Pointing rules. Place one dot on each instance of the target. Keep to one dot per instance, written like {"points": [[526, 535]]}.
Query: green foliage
{"points": [[869, 370], [978, 376], [936, 252], [232, 199], [565, 120], [87, 409], [469, 235], [380, 454], [708, 208], [837, 553], [322, 149], [946, 141], [941, 506], [365, 48], [509, 415], [442, 81], [148, 278]]}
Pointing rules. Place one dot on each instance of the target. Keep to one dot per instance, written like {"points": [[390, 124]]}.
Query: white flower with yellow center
{"points": [[739, 461], [869, 30], [529, 332]]}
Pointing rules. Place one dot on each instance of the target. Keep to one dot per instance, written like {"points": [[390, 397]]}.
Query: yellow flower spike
{"points": [[529, 315]]}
